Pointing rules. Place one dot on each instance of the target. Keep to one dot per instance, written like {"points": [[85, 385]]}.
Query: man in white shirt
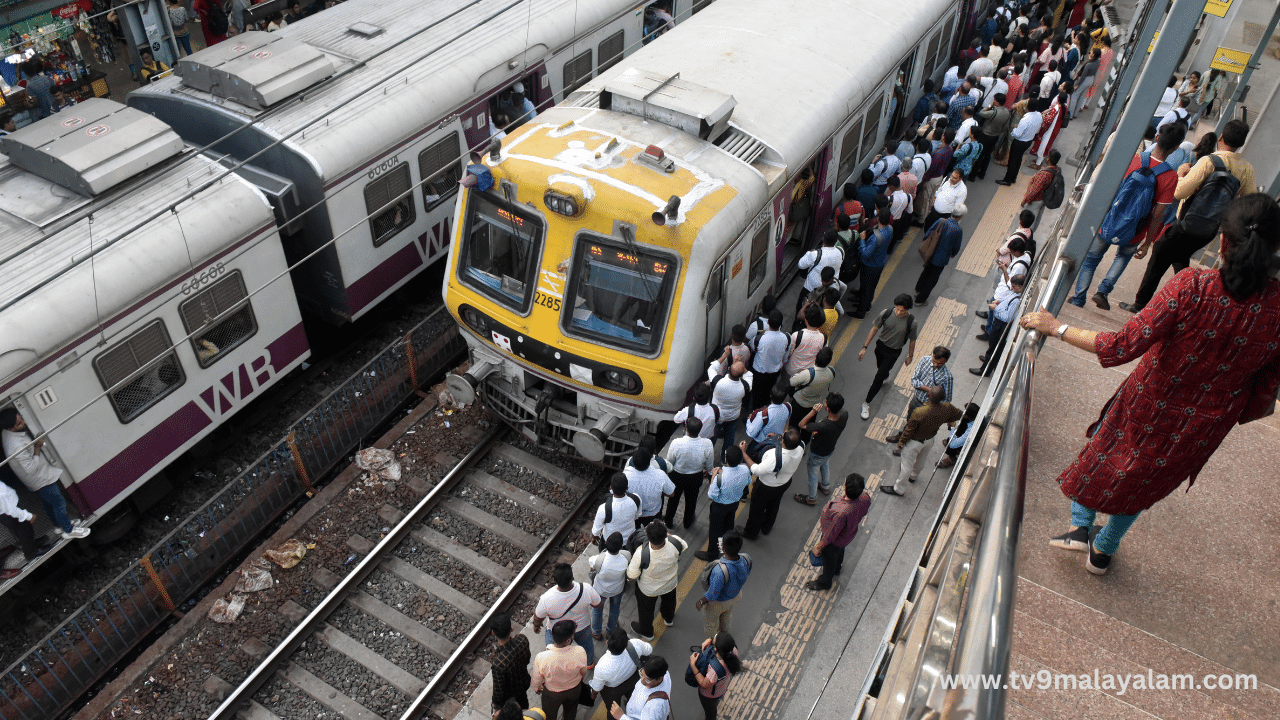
{"points": [[572, 601], [617, 514], [618, 671], [37, 473], [647, 481], [1049, 83], [1167, 101], [1019, 140], [652, 697], [993, 86], [19, 522], [1177, 114], [691, 457], [654, 567], [950, 194], [772, 478], [826, 256], [728, 394], [768, 353], [982, 67], [965, 131], [702, 409]]}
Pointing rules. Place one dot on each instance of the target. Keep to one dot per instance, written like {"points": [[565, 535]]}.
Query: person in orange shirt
{"points": [[557, 672]]}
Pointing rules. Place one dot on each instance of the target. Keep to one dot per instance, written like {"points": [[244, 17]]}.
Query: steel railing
{"points": [[51, 675]]}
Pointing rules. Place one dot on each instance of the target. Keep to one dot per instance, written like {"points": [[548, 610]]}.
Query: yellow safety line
{"points": [[851, 330]]}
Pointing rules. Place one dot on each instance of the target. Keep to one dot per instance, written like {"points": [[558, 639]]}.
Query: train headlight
{"points": [[560, 204], [566, 196], [474, 319], [623, 381]]}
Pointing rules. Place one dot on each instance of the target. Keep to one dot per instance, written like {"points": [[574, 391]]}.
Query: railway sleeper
{"points": [[325, 694], [552, 473], [502, 488]]}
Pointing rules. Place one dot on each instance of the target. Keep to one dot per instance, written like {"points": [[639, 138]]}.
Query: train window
{"points": [[759, 258], [849, 148], [619, 294], [140, 370], [611, 50], [577, 72], [500, 255], [441, 166], [218, 318], [389, 202], [871, 125], [931, 55], [715, 286], [944, 47]]}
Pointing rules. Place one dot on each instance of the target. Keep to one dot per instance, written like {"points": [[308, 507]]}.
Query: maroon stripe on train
{"points": [[123, 470], [363, 292]]}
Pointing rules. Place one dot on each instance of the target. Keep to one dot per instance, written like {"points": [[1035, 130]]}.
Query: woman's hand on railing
{"points": [[1042, 321]]}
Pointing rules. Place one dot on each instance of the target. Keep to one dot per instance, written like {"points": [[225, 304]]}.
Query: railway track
{"points": [[531, 515]]}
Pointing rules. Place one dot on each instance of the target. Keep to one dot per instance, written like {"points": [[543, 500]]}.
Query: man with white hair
{"points": [[950, 236]]}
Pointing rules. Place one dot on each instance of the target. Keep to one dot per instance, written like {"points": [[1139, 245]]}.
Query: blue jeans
{"points": [[597, 615], [55, 505], [582, 637], [818, 467], [184, 42], [1090, 263], [1108, 538]]}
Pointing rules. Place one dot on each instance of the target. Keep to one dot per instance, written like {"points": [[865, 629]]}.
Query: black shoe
{"points": [[635, 628], [921, 301], [982, 358], [977, 371], [706, 556], [41, 549], [1098, 563], [1006, 183], [1129, 307], [1101, 301], [888, 490], [984, 336], [813, 585], [1077, 539], [893, 438], [981, 313], [746, 535]]}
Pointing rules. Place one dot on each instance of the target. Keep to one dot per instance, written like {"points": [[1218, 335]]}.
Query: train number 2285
{"points": [[203, 277], [547, 301]]}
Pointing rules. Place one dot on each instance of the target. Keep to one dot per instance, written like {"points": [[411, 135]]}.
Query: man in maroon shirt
{"points": [[840, 520]]}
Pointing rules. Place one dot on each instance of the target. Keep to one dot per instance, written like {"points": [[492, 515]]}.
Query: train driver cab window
{"points": [[619, 294], [139, 370], [218, 318], [389, 203], [500, 255]]}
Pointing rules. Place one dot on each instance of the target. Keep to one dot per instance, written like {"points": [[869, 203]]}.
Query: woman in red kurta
{"points": [[1208, 349], [1050, 125]]}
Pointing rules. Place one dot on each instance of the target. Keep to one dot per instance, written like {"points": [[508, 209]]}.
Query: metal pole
{"points": [[1254, 59], [1132, 63], [168, 26], [1146, 95]]}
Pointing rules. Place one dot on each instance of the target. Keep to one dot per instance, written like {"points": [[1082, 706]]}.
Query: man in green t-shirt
{"points": [[897, 328]]}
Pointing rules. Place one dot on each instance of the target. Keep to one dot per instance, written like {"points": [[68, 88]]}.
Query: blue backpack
{"points": [[1133, 202]]}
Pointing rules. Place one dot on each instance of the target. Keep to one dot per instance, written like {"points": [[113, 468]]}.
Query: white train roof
{"points": [[795, 80], [378, 101], [59, 277]]}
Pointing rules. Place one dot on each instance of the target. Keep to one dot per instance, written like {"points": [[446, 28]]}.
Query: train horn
{"points": [[670, 212]]}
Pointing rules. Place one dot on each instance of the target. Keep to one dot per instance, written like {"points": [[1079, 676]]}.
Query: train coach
{"points": [[138, 308], [357, 120], [630, 227]]}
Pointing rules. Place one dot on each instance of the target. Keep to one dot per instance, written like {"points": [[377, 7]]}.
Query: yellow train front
{"points": [[603, 267]]}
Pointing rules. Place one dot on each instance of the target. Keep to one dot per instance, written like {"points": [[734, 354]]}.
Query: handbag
{"points": [[815, 559], [585, 697], [930, 243]]}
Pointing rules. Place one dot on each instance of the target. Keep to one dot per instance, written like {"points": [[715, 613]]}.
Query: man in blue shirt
{"points": [[950, 236], [727, 484], [1002, 313], [726, 578], [768, 355], [924, 105], [874, 249]]}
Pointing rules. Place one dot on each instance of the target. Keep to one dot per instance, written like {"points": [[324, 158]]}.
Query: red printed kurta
{"points": [[1199, 351]]}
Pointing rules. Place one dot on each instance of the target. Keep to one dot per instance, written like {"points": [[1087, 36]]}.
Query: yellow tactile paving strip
{"points": [[979, 252], [940, 328], [778, 647]]}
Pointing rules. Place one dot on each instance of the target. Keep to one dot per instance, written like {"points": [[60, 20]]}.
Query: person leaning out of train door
{"points": [[618, 513], [568, 600], [874, 251], [827, 256], [510, 664], [839, 522], [810, 385], [768, 355], [558, 672], [691, 457], [823, 434], [21, 523], [773, 472], [897, 329], [37, 473], [913, 441], [649, 482], [653, 567]]}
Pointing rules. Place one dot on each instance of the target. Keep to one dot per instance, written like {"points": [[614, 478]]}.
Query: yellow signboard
{"points": [[1230, 60], [1154, 38], [1217, 7]]}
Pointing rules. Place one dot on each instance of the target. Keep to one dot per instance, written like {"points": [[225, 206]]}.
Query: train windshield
{"points": [[619, 294], [500, 253]]}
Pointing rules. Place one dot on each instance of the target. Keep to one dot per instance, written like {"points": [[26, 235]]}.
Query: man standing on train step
{"points": [[897, 329], [773, 473], [653, 567]]}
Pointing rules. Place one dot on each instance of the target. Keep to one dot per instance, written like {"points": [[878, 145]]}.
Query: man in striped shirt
{"points": [[931, 371]]}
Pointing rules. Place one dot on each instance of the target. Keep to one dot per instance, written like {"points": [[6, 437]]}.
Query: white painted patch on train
{"points": [[588, 192]]}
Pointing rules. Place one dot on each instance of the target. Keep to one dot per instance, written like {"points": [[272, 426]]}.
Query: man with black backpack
{"points": [[654, 567], [723, 580], [692, 457], [897, 330], [1205, 191], [1136, 215], [769, 351], [729, 393], [1047, 189], [617, 514]]}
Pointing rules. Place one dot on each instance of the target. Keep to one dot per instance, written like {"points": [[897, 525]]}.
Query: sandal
{"points": [[824, 489], [805, 499], [597, 636]]}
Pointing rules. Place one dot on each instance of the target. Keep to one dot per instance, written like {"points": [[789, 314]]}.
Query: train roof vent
{"points": [[741, 145], [92, 147], [256, 69], [696, 109]]}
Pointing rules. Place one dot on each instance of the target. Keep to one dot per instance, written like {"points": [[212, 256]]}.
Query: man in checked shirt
{"points": [[931, 371]]}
